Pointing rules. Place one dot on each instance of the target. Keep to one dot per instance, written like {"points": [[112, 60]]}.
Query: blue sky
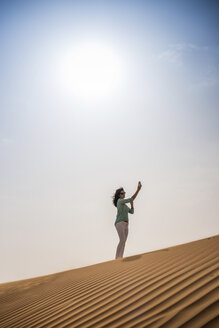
{"points": [[62, 155]]}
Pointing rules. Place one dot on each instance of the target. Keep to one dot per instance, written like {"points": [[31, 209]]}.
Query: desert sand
{"points": [[171, 287]]}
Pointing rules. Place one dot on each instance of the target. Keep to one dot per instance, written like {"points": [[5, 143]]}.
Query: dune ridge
{"points": [[171, 287]]}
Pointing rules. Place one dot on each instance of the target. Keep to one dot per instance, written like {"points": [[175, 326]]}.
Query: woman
{"points": [[121, 222]]}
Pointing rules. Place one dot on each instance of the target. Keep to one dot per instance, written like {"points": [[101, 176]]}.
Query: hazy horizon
{"points": [[149, 112]]}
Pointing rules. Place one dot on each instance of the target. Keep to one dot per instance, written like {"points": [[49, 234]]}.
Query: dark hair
{"points": [[116, 196]]}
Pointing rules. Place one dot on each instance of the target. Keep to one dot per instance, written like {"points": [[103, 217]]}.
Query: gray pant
{"points": [[122, 229]]}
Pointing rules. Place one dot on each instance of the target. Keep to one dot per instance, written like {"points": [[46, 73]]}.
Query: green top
{"points": [[123, 209]]}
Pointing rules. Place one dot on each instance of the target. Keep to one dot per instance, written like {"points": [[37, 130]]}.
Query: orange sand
{"points": [[172, 287]]}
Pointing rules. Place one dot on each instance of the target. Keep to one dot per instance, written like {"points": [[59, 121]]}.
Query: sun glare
{"points": [[91, 71]]}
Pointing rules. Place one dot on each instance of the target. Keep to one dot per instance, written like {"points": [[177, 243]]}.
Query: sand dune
{"points": [[171, 287]]}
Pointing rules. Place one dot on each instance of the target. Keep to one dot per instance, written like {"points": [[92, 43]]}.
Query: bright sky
{"points": [[95, 95]]}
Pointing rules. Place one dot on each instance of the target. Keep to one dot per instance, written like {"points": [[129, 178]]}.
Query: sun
{"points": [[91, 71]]}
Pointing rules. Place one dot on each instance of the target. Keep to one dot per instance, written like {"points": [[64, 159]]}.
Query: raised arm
{"points": [[137, 191], [125, 200]]}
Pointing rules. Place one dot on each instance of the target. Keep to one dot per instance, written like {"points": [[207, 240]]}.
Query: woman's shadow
{"points": [[131, 258]]}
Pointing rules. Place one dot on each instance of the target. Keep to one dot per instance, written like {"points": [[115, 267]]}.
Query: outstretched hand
{"points": [[139, 185]]}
